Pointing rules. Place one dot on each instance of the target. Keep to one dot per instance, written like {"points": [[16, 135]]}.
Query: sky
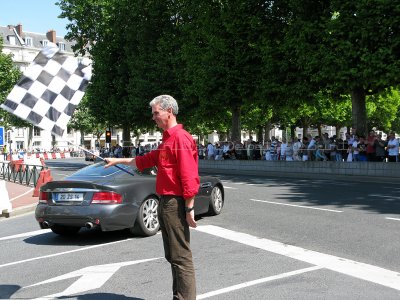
{"points": [[38, 16]]}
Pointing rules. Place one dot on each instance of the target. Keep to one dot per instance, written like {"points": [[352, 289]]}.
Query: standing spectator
{"points": [[312, 147], [274, 148], [371, 151], [393, 147], [320, 154], [380, 148], [362, 149], [177, 182], [282, 152], [304, 149], [210, 151], [289, 151], [250, 150], [297, 150], [5, 152], [340, 149], [332, 149], [355, 149], [218, 152]]}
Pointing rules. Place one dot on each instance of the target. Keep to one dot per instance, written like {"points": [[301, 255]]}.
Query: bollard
{"points": [[5, 204], [44, 177]]}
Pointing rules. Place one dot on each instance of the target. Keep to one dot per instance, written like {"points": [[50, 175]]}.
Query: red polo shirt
{"points": [[177, 162]]}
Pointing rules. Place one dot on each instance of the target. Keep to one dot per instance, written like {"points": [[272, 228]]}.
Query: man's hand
{"points": [[190, 219], [112, 161]]}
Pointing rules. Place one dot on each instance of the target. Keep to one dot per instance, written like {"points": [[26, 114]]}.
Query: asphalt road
{"points": [[275, 239]]}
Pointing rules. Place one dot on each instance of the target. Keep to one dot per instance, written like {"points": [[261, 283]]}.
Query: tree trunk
{"points": [[305, 128], [267, 129], [293, 135], [126, 135], [359, 111], [236, 125], [259, 133]]}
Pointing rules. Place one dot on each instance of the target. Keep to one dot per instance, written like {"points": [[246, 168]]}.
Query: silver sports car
{"points": [[113, 199]]}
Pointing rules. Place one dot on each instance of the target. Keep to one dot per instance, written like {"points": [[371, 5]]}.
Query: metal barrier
{"points": [[21, 173]]}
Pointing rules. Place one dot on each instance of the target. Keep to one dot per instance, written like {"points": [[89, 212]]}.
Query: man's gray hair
{"points": [[165, 102]]}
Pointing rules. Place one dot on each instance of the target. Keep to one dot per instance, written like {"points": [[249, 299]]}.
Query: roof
{"points": [[37, 38]]}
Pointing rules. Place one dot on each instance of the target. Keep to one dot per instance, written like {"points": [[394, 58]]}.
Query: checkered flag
{"points": [[50, 90]]}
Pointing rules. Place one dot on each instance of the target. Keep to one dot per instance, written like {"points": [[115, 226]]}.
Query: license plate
{"points": [[69, 197]]}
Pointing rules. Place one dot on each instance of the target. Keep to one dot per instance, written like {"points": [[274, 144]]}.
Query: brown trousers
{"points": [[176, 238]]}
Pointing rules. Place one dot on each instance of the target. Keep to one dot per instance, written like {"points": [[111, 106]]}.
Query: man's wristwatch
{"points": [[188, 209]]}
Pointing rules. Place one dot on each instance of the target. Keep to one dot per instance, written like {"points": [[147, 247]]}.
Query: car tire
{"points": [[65, 230], [147, 223], [216, 201]]}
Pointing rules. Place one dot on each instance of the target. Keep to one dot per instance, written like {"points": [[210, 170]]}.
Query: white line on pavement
{"points": [[30, 191], [254, 282], [229, 187], [395, 219], [31, 233], [61, 253], [334, 263], [294, 205]]}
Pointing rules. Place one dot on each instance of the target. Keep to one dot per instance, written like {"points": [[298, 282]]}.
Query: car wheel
{"points": [[147, 220], [65, 230], [216, 201]]}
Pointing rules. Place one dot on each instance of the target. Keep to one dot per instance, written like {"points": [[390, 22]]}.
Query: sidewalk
{"points": [[21, 199]]}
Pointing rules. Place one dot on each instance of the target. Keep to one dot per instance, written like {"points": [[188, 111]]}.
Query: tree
{"points": [[133, 61], [222, 62]]}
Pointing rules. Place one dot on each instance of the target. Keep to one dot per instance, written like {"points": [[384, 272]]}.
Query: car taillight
{"points": [[106, 198], [44, 197]]}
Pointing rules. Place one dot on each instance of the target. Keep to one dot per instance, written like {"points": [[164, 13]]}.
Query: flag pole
{"points": [[105, 160]]}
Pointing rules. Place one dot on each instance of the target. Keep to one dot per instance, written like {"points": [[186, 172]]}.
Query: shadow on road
{"points": [[85, 237], [378, 197]]}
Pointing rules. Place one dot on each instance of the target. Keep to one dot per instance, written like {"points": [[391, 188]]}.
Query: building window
{"points": [[28, 41], [45, 42], [20, 145], [11, 39], [61, 46], [37, 144], [20, 132], [36, 131]]}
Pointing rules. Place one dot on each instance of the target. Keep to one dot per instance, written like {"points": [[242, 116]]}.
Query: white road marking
{"points": [[90, 278], [345, 266], [395, 219], [30, 191], [229, 187], [60, 253], [31, 233], [294, 205], [254, 282]]}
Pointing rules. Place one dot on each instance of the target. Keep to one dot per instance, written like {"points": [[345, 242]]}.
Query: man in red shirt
{"points": [[177, 182]]}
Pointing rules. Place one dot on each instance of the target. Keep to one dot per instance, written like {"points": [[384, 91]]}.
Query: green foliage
{"points": [[235, 62]]}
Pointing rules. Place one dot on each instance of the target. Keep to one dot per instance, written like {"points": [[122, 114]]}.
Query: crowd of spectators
{"points": [[319, 148]]}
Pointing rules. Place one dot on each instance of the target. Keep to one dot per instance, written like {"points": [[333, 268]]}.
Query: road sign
{"points": [[2, 142]]}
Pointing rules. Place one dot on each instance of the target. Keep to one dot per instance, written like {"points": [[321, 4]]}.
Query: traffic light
{"points": [[108, 136]]}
